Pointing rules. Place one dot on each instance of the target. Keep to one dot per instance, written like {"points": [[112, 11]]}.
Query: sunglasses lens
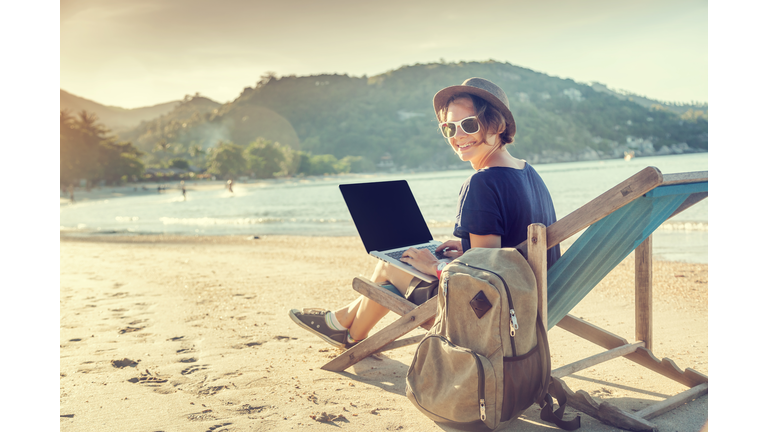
{"points": [[448, 129], [470, 125]]}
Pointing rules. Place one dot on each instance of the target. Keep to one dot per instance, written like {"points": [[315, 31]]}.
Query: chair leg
{"points": [[644, 293], [393, 331]]}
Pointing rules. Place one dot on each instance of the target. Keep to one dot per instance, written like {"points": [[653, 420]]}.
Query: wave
{"points": [[207, 221], [79, 227], [440, 224], [676, 226]]}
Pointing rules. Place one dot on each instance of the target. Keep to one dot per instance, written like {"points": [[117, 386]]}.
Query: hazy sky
{"points": [[143, 52]]}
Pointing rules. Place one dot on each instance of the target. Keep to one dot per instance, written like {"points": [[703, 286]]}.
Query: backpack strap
{"points": [[556, 417], [545, 398]]}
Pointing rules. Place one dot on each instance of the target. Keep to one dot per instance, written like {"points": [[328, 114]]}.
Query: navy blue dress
{"points": [[504, 201]]}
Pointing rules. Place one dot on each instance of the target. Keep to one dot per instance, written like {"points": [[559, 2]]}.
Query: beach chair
{"points": [[615, 223]]}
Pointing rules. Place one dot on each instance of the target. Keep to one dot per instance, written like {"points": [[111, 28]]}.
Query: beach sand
{"points": [[162, 333]]}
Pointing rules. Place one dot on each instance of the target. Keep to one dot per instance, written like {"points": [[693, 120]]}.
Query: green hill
{"points": [[390, 117]]}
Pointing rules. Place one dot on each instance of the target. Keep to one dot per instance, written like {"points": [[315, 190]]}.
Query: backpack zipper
{"points": [[480, 374], [512, 317], [480, 371]]}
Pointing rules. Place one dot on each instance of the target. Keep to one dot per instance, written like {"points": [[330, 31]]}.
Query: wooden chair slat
{"points": [[373, 343], [382, 296], [673, 402], [686, 177]]}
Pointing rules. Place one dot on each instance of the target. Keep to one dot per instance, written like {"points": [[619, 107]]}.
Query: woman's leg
{"points": [[361, 315]]}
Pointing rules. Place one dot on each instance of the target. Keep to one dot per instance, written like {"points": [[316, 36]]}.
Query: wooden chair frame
{"points": [[540, 239]]}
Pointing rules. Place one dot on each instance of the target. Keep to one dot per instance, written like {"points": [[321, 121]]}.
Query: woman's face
{"points": [[469, 147]]}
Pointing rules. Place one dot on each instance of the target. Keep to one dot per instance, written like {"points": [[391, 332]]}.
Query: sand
{"points": [[163, 333]]}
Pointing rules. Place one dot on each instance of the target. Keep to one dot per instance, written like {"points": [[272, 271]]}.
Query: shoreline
{"points": [[187, 333], [100, 192], [662, 251]]}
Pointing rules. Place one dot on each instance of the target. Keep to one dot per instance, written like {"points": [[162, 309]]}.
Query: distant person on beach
{"points": [[496, 205], [183, 190], [230, 183]]}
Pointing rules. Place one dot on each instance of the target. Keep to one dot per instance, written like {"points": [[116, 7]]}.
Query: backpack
{"points": [[486, 358]]}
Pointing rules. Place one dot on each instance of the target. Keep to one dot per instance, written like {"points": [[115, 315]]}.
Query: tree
{"points": [[89, 151], [355, 164], [121, 161], [227, 160], [181, 164], [266, 159], [322, 164]]}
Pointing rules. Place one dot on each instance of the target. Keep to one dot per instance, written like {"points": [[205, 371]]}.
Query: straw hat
{"points": [[481, 88]]}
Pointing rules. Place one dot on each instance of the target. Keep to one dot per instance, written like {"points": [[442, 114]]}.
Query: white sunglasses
{"points": [[469, 125]]}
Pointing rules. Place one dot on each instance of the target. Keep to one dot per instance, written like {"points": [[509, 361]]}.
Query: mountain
{"points": [[679, 108], [389, 118], [115, 118]]}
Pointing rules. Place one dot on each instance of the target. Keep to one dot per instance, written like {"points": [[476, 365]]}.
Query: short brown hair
{"points": [[489, 117]]}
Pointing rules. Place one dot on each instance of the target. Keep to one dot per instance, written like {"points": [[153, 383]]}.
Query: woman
{"points": [[496, 205]]}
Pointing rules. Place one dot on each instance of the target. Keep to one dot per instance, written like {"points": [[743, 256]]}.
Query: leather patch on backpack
{"points": [[480, 304]]}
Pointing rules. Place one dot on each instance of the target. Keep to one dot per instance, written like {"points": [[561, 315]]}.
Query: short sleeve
{"points": [[479, 210]]}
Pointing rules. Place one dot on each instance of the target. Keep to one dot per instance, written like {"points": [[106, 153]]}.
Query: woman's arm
{"points": [[425, 262], [485, 241]]}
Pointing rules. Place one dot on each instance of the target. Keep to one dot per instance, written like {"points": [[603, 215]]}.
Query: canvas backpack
{"points": [[486, 358]]}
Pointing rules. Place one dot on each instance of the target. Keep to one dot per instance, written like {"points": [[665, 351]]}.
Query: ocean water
{"points": [[315, 206]]}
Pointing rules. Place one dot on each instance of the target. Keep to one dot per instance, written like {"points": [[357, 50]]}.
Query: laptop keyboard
{"points": [[432, 248]]}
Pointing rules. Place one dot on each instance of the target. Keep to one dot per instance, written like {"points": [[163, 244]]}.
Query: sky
{"points": [[144, 52]]}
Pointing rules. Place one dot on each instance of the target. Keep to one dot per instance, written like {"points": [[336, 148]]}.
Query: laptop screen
{"points": [[386, 214]]}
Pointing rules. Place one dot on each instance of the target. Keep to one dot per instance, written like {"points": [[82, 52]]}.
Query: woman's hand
{"points": [[421, 259], [451, 249]]}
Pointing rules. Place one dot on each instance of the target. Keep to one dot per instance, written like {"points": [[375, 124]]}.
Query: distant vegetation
{"points": [[90, 152], [314, 125]]}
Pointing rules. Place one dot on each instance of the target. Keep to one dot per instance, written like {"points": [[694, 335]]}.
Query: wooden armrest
{"points": [[686, 177], [383, 296], [600, 207]]}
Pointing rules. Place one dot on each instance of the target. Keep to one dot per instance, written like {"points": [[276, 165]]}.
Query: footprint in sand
{"points": [[210, 391], [126, 362], [247, 345], [248, 409], [148, 380], [185, 350], [215, 427], [130, 329], [201, 416], [188, 360], [193, 369], [177, 338]]}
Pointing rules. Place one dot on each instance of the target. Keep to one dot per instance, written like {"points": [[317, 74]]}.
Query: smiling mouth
{"points": [[465, 146]]}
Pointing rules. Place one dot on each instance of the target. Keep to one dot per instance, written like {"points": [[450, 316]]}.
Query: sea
{"points": [[314, 206]]}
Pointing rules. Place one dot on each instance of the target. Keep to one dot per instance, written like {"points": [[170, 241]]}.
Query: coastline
{"points": [[203, 324]]}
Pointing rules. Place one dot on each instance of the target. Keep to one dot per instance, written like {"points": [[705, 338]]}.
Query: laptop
{"points": [[389, 222]]}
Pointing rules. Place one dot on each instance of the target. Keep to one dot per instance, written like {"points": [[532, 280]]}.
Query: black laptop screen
{"points": [[386, 214]]}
